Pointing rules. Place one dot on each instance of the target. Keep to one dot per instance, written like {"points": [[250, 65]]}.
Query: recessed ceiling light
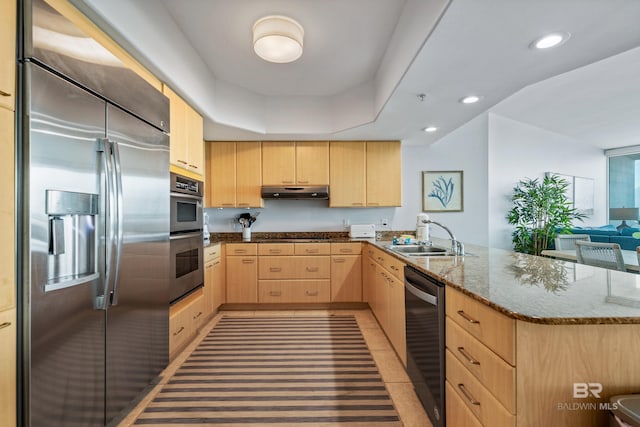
{"points": [[430, 129], [471, 99], [550, 40]]}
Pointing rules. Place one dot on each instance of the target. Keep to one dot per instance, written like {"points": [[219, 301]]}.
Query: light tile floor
{"points": [[393, 374]]}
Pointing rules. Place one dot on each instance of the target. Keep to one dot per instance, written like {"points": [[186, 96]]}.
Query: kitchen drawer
{"points": [[346, 248], [276, 267], [394, 266], [493, 329], [275, 249], [475, 396], [458, 414], [293, 291], [212, 252], [494, 373], [312, 248], [182, 325], [242, 249], [313, 267]]}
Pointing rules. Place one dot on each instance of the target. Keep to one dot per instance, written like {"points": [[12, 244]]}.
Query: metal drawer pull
{"points": [[216, 262], [178, 331], [5, 325], [193, 166], [275, 269], [468, 395], [3, 93], [239, 251], [182, 161], [247, 261], [197, 315], [208, 266], [466, 317], [393, 267], [339, 260], [312, 269], [346, 250], [243, 204], [380, 259], [467, 356], [312, 251], [312, 293], [275, 293], [275, 251]]}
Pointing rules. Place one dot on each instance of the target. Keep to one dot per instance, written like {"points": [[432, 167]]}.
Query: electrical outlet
{"points": [[384, 222]]}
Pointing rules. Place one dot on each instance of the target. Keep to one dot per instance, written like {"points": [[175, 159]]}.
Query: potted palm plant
{"points": [[540, 209]]}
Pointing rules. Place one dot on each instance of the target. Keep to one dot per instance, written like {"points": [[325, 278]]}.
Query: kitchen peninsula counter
{"points": [[535, 289]]}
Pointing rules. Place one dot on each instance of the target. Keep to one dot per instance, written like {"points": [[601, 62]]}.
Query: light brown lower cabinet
{"points": [[214, 286], [8, 367], [384, 291], [509, 372], [185, 317]]}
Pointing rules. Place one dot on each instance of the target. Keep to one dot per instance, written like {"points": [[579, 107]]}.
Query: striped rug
{"points": [[276, 371]]}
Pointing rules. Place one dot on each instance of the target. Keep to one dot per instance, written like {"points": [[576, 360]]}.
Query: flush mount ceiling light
{"points": [[430, 129], [550, 40], [277, 39], [471, 99]]}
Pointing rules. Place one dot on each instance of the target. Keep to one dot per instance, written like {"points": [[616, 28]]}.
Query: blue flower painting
{"points": [[442, 191]]}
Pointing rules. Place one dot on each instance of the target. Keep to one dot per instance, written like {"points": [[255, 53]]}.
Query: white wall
{"points": [[517, 151]]}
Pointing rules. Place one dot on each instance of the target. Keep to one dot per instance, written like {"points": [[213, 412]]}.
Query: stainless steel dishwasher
{"points": [[424, 306]]}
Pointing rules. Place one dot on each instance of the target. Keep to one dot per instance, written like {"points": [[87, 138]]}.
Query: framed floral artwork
{"points": [[442, 191]]}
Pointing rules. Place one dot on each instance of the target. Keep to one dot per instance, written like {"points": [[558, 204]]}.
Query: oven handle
{"points": [[185, 196], [185, 236], [431, 299]]}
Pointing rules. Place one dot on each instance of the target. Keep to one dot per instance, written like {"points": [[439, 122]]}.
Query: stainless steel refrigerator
{"points": [[95, 224]]}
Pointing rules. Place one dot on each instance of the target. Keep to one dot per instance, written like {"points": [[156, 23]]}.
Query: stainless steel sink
{"points": [[420, 250]]}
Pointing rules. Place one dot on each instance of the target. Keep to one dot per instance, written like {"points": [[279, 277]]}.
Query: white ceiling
{"points": [[366, 61]]}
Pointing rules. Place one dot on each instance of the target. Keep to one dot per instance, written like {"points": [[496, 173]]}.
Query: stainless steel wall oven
{"points": [[186, 238]]}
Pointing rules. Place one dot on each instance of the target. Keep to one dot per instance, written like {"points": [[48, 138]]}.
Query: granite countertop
{"points": [[536, 289], [524, 287]]}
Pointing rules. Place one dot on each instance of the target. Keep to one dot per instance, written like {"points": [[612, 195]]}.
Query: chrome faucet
{"points": [[456, 246]]}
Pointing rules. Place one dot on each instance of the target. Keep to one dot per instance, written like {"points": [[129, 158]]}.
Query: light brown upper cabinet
{"points": [[295, 163], [187, 150], [384, 173], [233, 177], [7, 53], [365, 174], [347, 168]]}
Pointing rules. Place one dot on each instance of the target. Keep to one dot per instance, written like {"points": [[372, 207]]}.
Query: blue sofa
{"points": [[609, 234]]}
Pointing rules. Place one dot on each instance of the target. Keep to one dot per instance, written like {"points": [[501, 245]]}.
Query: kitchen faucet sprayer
{"points": [[456, 246]]}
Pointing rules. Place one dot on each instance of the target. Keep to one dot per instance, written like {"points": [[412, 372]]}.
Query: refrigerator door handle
{"points": [[105, 147], [117, 174]]}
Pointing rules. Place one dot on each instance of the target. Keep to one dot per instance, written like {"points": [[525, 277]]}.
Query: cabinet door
{"points": [[242, 279], [278, 163], [347, 174], [8, 367], [7, 53], [178, 154], [396, 318], [195, 147], [219, 287], [248, 174], [208, 287], [221, 174], [346, 278], [384, 173], [312, 163], [368, 280], [7, 237]]}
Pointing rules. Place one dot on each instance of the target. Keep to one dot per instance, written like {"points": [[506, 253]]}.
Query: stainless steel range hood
{"points": [[300, 192]]}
